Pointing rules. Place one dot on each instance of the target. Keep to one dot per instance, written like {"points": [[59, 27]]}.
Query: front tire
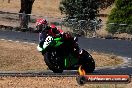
{"points": [[53, 62], [57, 70]]}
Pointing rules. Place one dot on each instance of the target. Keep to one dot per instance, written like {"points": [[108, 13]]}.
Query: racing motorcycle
{"points": [[61, 55]]}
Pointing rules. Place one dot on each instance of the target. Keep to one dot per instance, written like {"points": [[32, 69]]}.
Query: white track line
{"points": [[124, 67], [10, 40], [113, 68], [25, 42], [129, 66], [2, 39], [18, 41], [32, 43]]}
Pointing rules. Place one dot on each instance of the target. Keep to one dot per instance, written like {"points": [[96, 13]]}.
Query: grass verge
{"points": [[52, 82], [20, 57]]}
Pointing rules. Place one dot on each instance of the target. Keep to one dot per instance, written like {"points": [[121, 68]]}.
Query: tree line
{"points": [[88, 10]]}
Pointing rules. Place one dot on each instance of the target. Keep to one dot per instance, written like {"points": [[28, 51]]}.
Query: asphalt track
{"points": [[117, 47]]}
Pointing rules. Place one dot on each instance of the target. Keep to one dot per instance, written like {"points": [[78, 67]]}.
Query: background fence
{"points": [[15, 21], [23, 22]]}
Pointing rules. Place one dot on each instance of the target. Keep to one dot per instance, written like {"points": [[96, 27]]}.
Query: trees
{"points": [[121, 16], [8, 1], [80, 9], [83, 9], [81, 14], [26, 8], [106, 3]]}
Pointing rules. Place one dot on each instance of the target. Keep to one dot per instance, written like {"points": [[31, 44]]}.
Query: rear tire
{"points": [[88, 63]]}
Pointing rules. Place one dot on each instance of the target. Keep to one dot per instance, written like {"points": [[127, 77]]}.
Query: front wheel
{"points": [[57, 70], [87, 62], [53, 62]]}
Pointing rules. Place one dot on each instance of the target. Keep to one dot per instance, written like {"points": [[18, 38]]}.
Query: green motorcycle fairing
{"points": [[58, 42], [69, 60]]}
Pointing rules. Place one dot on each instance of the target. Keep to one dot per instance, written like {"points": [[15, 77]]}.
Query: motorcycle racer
{"points": [[47, 33]]}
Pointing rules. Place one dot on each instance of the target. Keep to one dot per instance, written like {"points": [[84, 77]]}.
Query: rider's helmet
{"points": [[41, 24]]}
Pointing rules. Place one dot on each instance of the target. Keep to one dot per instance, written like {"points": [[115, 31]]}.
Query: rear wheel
{"points": [[53, 62], [88, 63]]}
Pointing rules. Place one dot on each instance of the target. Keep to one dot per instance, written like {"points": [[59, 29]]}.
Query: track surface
{"points": [[72, 73], [117, 47]]}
